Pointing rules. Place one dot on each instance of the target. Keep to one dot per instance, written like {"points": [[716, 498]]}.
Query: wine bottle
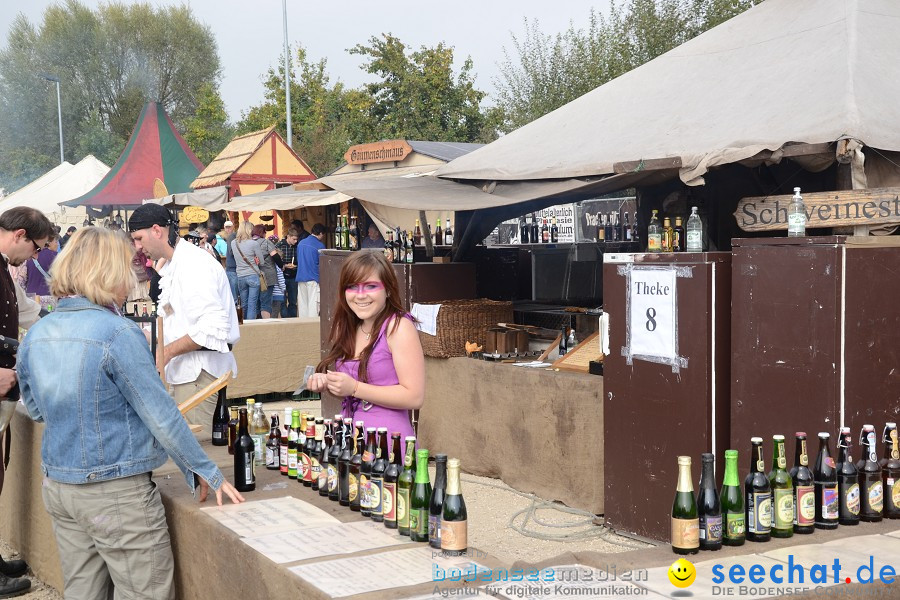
{"points": [[732, 501], [273, 456], [454, 520], [244, 460], [685, 520], [758, 496], [709, 509], [436, 505], [554, 231], [523, 231], [220, 421], [804, 488], [315, 460]]}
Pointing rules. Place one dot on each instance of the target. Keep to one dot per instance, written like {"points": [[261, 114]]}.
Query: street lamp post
{"points": [[287, 76], [55, 79]]}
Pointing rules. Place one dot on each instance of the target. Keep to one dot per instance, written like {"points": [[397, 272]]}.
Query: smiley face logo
{"points": [[682, 573]]}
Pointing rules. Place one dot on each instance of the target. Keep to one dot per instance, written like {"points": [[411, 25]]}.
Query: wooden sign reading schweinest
{"points": [[823, 209], [384, 151]]}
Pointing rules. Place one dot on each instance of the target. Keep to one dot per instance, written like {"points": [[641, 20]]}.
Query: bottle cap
{"points": [[453, 463], [708, 457], [360, 423], [868, 428], [800, 433], [410, 438], [731, 453], [756, 440], [440, 458], [845, 430], [778, 438], [684, 460], [370, 429], [824, 435], [382, 429], [796, 190], [890, 424], [422, 453]]}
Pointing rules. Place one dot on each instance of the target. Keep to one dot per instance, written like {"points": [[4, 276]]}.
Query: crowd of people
{"points": [[122, 414]]}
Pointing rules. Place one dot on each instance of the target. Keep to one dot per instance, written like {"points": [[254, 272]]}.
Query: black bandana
{"points": [[148, 215]]}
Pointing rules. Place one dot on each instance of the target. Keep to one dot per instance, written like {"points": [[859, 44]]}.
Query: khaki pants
{"points": [[203, 413], [308, 299], [113, 538]]}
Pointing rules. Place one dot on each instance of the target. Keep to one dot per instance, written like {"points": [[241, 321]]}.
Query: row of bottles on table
{"points": [[677, 238], [352, 465], [782, 503], [440, 236], [346, 234], [547, 233], [609, 229], [399, 247]]}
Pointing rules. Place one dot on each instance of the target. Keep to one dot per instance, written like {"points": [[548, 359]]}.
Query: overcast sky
{"points": [[250, 34]]}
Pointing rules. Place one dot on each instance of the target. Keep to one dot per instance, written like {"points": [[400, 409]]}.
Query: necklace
{"points": [[367, 334]]}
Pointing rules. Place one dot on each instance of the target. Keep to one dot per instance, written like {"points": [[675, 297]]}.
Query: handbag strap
{"points": [[237, 245], [40, 268]]}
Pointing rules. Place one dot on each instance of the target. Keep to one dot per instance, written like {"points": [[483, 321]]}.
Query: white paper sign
{"points": [[565, 221], [261, 517], [653, 313]]}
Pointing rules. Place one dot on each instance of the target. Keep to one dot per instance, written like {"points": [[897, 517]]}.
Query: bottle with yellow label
{"points": [[782, 491], [890, 471], [804, 488], [758, 496], [404, 485], [668, 239], [685, 519], [454, 520]]}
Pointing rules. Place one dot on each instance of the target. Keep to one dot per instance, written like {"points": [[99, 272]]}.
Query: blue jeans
{"points": [[232, 281], [248, 288], [289, 305], [265, 299]]}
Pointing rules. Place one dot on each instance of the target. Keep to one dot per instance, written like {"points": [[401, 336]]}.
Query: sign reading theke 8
{"points": [[653, 313]]}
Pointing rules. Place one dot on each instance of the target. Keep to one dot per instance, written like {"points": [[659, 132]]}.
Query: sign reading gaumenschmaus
{"points": [[384, 151], [823, 209]]}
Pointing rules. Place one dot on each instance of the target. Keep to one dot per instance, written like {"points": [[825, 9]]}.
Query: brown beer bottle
{"points": [[871, 488], [244, 462], [890, 471], [389, 488], [355, 464]]}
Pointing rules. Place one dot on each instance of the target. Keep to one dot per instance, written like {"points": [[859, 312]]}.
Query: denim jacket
{"points": [[89, 375]]}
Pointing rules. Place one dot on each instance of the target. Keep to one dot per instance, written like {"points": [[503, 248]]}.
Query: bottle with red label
{"points": [[826, 486], [804, 488], [848, 481], [389, 487], [365, 474]]}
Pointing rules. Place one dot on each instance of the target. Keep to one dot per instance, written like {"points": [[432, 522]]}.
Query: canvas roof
{"points": [[154, 151], [807, 71], [74, 181]]}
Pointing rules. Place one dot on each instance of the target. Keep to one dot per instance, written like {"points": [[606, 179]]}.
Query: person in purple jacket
{"points": [[376, 362]]}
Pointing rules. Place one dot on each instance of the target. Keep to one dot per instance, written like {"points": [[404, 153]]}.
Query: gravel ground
{"points": [[39, 590]]}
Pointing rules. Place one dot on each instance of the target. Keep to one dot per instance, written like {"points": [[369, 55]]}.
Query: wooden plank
{"points": [[650, 164], [823, 209], [578, 358]]}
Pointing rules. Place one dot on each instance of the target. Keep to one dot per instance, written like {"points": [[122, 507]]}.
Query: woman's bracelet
{"points": [[355, 387]]}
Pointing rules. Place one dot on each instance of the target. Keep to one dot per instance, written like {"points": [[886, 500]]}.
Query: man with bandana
{"points": [[199, 318]]}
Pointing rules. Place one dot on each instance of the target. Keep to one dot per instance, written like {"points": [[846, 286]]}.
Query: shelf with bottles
{"points": [[673, 234]]}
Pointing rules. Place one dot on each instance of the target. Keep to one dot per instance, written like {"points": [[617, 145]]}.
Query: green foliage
{"points": [[110, 61], [208, 131], [416, 96], [544, 72]]}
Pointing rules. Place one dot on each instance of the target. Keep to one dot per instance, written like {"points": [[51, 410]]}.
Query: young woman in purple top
{"points": [[376, 362]]}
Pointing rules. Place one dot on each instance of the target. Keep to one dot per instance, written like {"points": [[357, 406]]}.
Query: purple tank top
{"points": [[381, 372]]}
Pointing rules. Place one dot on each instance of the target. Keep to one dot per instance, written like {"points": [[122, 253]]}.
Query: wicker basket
{"points": [[461, 321]]}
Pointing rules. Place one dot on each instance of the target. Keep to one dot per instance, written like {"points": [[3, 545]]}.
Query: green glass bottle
{"points": [[758, 496], [782, 491], [405, 485], [293, 436], [732, 502], [685, 519], [421, 500]]}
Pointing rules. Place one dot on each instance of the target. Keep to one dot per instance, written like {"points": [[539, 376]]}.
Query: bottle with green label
{"points": [[758, 496], [782, 491], [292, 444], [804, 488], [890, 471], [732, 503], [848, 481], [685, 519], [421, 499], [404, 486]]}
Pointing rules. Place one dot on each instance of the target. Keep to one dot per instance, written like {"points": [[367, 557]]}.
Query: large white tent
{"points": [[785, 71], [62, 183]]}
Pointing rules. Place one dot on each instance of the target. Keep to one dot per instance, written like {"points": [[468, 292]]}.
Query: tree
{"points": [[208, 131], [110, 61], [544, 72]]}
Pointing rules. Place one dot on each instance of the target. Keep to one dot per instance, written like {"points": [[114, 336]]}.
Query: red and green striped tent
{"points": [[154, 151]]}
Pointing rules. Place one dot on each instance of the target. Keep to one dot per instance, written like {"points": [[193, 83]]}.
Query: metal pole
{"points": [[62, 155], [287, 77]]}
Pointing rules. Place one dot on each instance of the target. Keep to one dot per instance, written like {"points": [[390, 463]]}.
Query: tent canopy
{"points": [[809, 71], [59, 184], [154, 151]]}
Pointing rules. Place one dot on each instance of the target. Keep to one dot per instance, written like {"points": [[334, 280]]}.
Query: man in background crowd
{"points": [[288, 249], [374, 239], [199, 318], [308, 272], [230, 264]]}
